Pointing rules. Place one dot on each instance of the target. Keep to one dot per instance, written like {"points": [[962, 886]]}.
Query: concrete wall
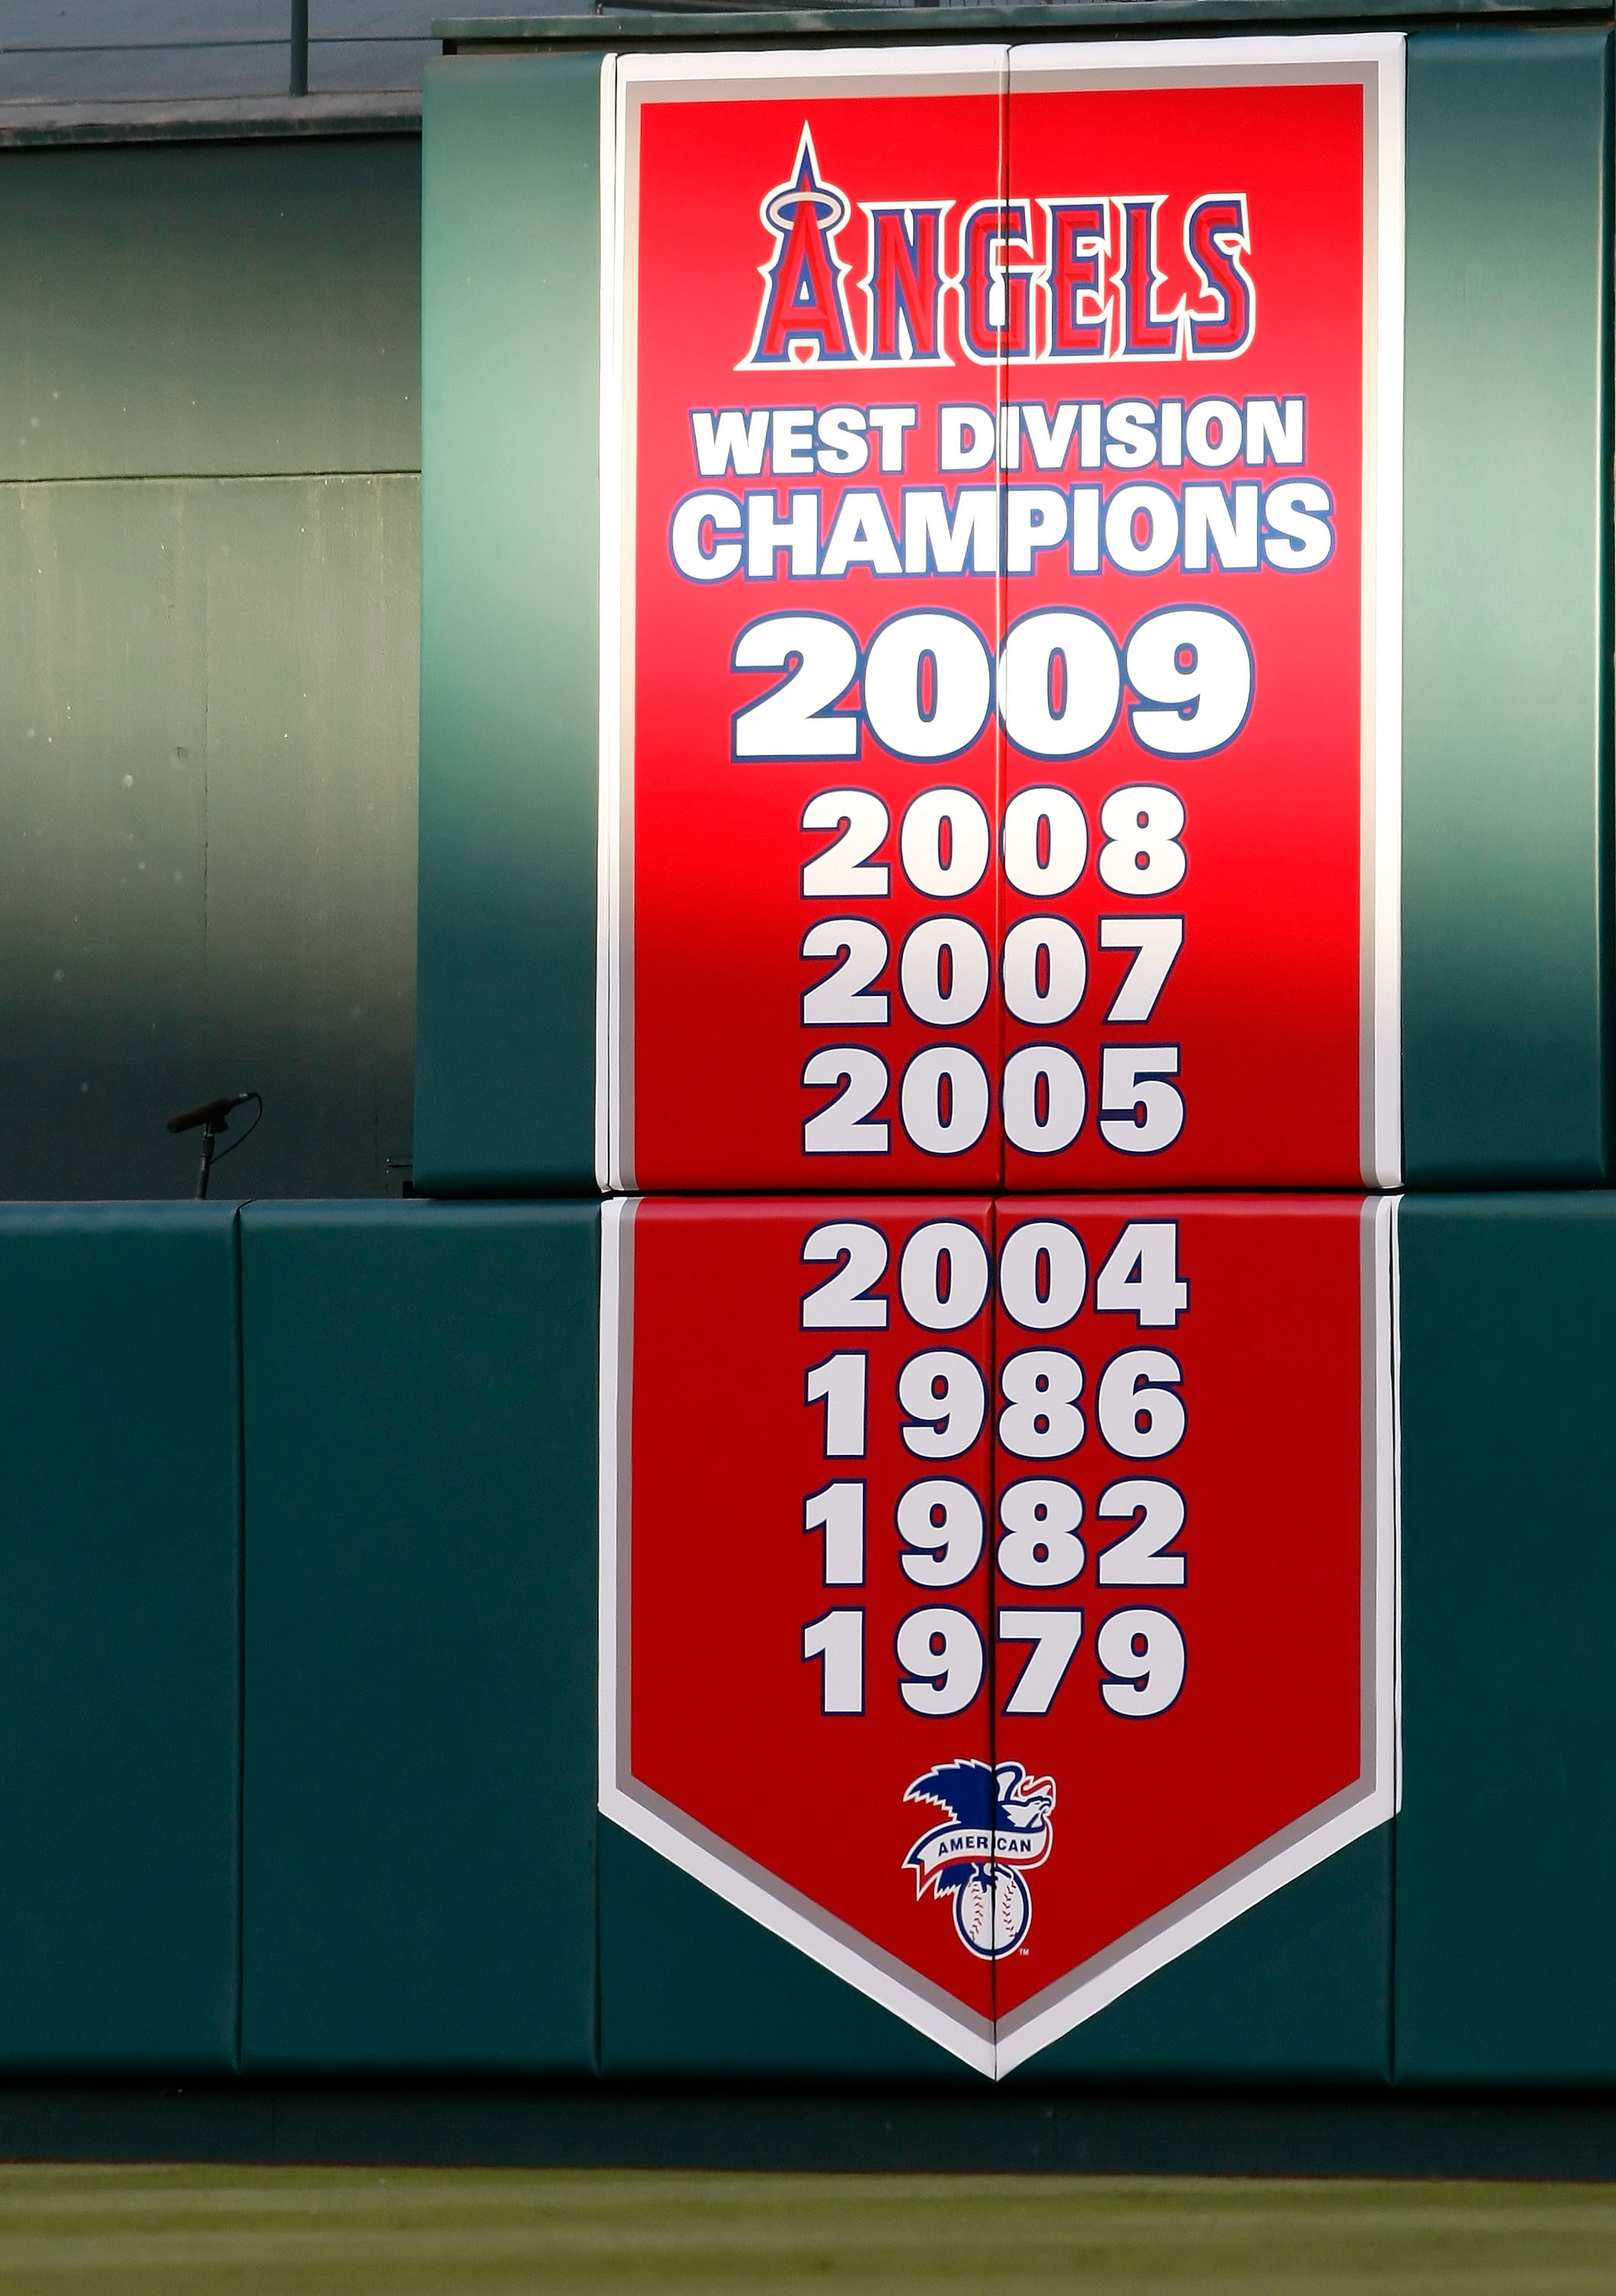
{"points": [[209, 516]]}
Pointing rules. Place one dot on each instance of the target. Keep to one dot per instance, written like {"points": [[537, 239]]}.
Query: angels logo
{"points": [[1000, 1828], [1032, 281]]}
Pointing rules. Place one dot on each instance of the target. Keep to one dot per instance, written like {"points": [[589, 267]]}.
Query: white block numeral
{"points": [[838, 1511], [836, 1640], [840, 1383], [1144, 1652], [1054, 1635]]}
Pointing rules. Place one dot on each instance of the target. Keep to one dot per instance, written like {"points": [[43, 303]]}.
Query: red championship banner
{"points": [[1000, 618], [997, 1595]]}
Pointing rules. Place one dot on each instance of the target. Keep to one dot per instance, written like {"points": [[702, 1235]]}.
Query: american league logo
{"points": [[1000, 1828]]}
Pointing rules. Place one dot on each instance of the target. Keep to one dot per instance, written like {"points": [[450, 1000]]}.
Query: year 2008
{"points": [[946, 970]]}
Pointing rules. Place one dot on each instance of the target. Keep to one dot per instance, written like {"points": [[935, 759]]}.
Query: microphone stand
{"points": [[214, 1116], [199, 1194]]}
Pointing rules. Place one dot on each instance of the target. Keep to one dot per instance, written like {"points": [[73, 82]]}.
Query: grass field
{"points": [[337, 2232]]}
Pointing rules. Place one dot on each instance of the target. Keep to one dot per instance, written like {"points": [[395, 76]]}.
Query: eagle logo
{"points": [[998, 1828]]}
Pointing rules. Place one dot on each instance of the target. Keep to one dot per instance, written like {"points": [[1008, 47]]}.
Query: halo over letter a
{"points": [[803, 320]]}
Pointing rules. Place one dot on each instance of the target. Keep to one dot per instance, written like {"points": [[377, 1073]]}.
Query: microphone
{"points": [[214, 1113], [214, 1116]]}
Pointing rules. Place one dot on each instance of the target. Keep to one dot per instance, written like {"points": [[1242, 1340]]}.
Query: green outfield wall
{"points": [[302, 1683], [300, 1494]]}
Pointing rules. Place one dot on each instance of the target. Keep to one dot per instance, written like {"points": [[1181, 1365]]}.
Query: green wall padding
{"points": [[691, 1986], [119, 1625], [1297, 1989], [1505, 1850], [419, 1870]]}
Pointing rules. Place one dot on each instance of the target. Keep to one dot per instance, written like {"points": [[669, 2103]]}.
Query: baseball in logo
{"points": [[999, 1826]]}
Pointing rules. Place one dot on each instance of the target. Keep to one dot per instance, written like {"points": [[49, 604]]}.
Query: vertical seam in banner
{"points": [[1001, 598], [1001, 592], [991, 1548]]}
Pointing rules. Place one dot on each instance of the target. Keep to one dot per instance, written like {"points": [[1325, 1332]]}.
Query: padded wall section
{"points": [[1506, 538], [120, 1636], [505, 974], [420, 1559], [1298, 1988], [690, 1985], [1506, 1857]]}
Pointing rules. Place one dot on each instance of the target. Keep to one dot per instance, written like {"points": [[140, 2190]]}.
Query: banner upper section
{"points": [[1001, 606]]}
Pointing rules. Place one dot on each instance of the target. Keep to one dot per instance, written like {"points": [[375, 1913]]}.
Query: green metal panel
{"points": [[1505, 825], [690, 1985], [421, 1565], [210, 308], [1298, 1989], [1506, 1853], [206, 828], [509, 291], [120, 1636]]}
